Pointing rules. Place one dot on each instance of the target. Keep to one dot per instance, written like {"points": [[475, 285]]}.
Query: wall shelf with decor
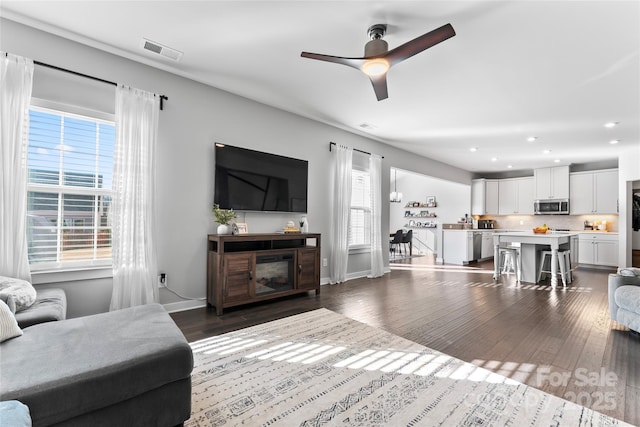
{"points": [[421, 226], [421, 214], [415, 205]]}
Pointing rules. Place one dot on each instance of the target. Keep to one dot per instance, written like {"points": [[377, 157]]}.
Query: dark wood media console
{"points": [[246, 268]]}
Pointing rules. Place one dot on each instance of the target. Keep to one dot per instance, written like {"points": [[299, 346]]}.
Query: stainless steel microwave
{"points": [[551, 207]]}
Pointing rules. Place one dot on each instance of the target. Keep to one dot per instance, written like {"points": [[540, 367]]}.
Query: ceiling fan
{"points": [[378, 58]]}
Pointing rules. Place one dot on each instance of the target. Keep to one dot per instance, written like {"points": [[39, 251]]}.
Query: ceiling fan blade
{"points": [[380, 86], [350, 62], [419, 44]]}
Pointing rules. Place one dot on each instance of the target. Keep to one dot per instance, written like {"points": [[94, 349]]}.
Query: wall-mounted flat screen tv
{"points": [[249, 180]]}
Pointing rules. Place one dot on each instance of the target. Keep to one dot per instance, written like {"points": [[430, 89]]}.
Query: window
{"points": [[70, 166], [360, 217]]}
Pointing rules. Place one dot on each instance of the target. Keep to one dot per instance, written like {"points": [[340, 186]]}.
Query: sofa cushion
{"points": [[8, 325], [629, 271], [23, 292], [67, 368], [10, 301], [628, 298], [50, 305]]}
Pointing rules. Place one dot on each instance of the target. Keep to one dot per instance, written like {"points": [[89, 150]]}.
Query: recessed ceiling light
{"points": [[367, 126], [546, 152], [473, 149], [494, 159], [614, 141], [532, 138], [509, 166], [556, 161], [611, 124]]}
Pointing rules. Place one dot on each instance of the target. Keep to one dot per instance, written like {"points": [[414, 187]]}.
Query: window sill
{"points": [[59, 276], [359, 249]]}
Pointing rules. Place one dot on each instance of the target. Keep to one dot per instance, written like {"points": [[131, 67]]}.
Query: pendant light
{"points": [[394, 196]]}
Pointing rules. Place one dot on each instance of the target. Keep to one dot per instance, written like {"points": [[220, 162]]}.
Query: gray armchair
{"points": [[624, 298]]}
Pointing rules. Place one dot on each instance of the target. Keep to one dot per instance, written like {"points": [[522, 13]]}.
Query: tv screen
{"points": [[249, 180]]}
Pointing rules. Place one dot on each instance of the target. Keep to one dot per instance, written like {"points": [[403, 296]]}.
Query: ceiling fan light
{"points": [[375, 67]]}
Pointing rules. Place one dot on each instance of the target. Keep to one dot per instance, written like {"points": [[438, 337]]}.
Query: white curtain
{"points": [[133, 205], [340, 214], [375, 176], [16, 81]]}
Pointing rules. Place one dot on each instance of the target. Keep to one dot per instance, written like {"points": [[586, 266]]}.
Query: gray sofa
{"points": [[130, 367], [624, 297]]}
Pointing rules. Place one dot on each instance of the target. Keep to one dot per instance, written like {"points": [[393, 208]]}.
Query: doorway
{"points": [[635, 225]]}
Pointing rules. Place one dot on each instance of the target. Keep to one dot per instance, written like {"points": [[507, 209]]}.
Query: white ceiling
{"points": [[557, 70]]}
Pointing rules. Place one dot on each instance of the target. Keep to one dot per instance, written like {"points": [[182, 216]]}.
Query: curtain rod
{"points": [[355, 149], [42, 64]]}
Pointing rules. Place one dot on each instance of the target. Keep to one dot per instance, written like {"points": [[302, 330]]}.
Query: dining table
{"points": [[531, 244]]}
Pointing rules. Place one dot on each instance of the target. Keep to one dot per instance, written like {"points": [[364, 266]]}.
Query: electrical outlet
{"points": [[324, 262], [162, 280]]}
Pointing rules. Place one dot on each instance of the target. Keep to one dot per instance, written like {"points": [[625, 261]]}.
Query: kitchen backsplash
{"points": [[571, 222]]}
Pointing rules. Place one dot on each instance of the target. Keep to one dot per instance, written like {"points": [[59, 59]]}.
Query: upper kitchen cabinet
{"points": [[515, 196], [594, 192], [484, 197], [552, 183]]}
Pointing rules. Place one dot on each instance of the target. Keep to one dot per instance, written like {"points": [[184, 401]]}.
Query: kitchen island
{"points": [[530, 245]]}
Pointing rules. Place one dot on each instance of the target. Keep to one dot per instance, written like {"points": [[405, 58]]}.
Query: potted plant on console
{"points": [[223, 218]]}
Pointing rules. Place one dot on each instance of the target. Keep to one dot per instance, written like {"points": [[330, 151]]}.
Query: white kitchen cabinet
{"points": [[484, 197], [552, 183], [598, 249], [515, 196], [491, 198], [487, 245], [460, 246], [594, 192], [526, 188]]}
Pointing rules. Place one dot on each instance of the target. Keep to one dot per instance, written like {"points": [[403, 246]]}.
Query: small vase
{"points": [[224, 229]]}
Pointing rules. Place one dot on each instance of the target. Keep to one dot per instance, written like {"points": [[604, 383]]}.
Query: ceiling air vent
{"points": [[160, 49]]}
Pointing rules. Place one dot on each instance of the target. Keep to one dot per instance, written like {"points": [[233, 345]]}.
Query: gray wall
{"points": [[195, 117]]}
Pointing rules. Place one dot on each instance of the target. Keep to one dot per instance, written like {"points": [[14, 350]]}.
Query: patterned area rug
{"points": [[323, 369]]}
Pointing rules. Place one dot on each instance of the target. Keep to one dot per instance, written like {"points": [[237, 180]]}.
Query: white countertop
{"points": [[511, 230], [532, 234]]}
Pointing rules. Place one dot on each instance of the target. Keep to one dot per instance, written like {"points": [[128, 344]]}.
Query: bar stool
{"points": [[564, 262], [509, 258]]}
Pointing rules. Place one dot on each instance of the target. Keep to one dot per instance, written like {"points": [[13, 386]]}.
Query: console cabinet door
{"points": [[238, 276], [308, 269]]}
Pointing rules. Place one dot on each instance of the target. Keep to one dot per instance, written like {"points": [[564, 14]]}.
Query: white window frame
{"points": [[365, 208], [57, 271]]}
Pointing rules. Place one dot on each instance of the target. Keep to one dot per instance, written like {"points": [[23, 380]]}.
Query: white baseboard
{"points": [[351, 276], [173, 307]]}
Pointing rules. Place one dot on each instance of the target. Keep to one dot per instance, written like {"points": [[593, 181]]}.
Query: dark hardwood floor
{"points": [[561, 341]]}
